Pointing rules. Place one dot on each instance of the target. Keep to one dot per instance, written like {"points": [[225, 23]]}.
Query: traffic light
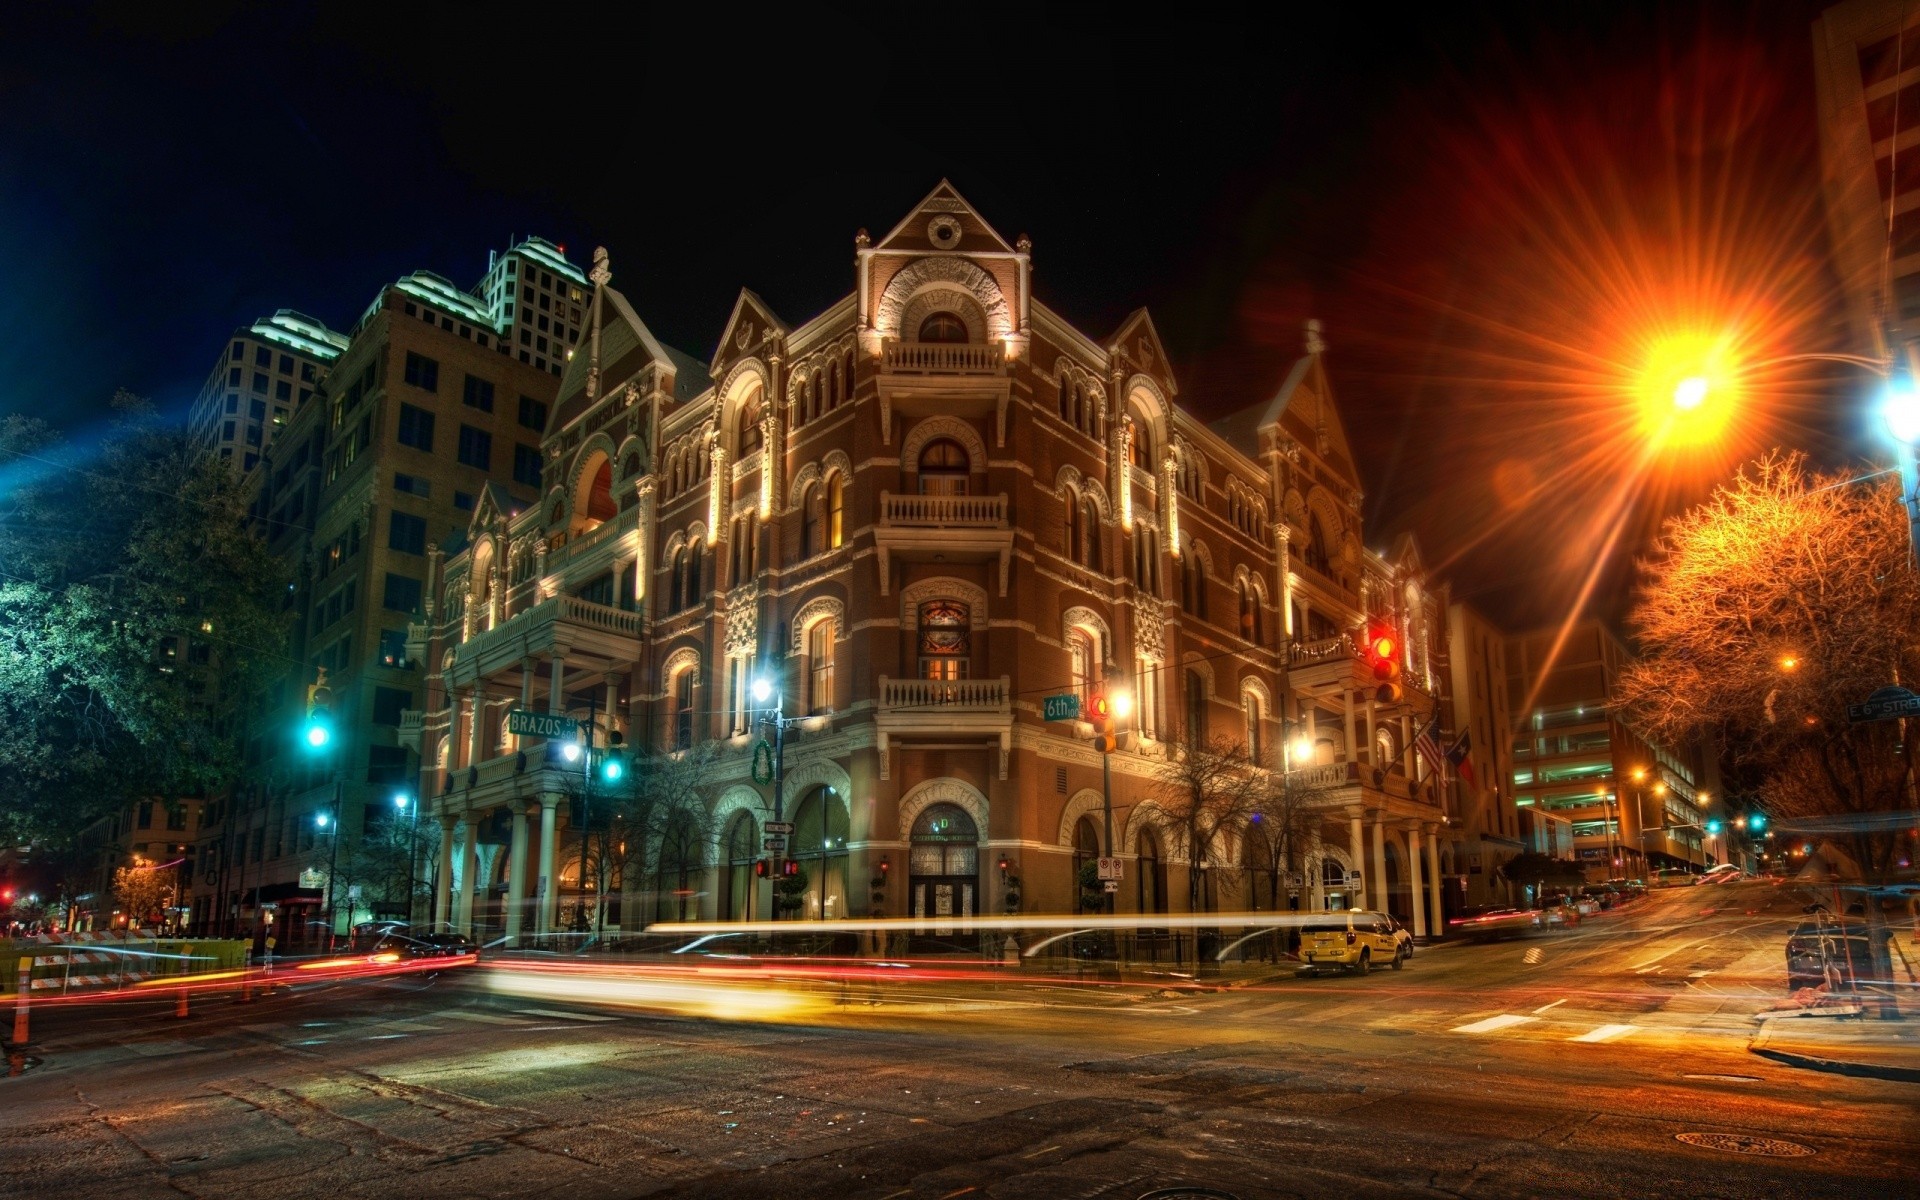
{"points": [[1756, 822], [318, 731], [790, 867], [1383, 657], [612, 767], [1105, 740], [1713, 825], [761, 868]]}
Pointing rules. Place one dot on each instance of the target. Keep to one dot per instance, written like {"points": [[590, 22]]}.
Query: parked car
{"points": [[1402, 936], [1556, 908], [1485, 923], [1350, 941]]}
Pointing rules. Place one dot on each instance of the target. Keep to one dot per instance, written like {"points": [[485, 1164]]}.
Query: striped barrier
{"points": [[64, 964]]}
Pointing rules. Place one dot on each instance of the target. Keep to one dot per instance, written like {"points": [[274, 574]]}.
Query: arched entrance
{"points": [[1333, 880], [1086, 852], [944, 863], [820, 847]]}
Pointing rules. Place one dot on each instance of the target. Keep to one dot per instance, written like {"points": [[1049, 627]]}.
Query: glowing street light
{"points": [[1688, 389], [1122, 702]]}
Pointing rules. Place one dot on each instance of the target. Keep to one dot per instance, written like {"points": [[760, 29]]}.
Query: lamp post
{"points": [[764, 689], [404, 803], [329, 824]]}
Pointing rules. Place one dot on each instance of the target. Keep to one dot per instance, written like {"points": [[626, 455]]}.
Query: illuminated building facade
{"points": [[1634, 807], [1866, 63], [429, 412], [921, 512], [269, 369]]}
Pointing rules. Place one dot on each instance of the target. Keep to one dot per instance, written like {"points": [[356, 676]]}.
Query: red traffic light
{"points": [[760, 869], [1384, 645], [1101, 708]]}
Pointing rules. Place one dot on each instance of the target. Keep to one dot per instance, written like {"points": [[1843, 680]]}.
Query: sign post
{"points": [[1886, 704], [527, 723], [1109, 869], [1064, 707]]}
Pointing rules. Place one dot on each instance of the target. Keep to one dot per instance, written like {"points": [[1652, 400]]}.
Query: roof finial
{"points": [[602, 273], [1315, 343]]}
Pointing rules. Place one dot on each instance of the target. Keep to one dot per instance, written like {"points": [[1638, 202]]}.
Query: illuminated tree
{"points": [[1206, 788], [142, 889], [1766, 611]]}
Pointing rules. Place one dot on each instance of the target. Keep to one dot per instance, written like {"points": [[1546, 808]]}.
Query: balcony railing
{"points": [[937, 358], [944, 512], [1334, 774], [1306, 654], [946, 696]]}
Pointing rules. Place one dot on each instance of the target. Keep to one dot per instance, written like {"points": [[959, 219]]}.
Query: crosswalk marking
{"points": [[1492, 1023], [571, 1016], [1605, 1033]]}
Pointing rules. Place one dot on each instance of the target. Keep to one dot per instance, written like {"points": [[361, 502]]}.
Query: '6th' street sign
{"points": [[1064, 707]]}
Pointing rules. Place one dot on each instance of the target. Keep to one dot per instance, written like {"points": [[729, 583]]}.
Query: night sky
{"points": [[170, 172]]}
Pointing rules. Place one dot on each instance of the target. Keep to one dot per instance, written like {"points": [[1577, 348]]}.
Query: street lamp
{"points": [[329, 824], [765, 691], [1900, 409], [404, 803]]}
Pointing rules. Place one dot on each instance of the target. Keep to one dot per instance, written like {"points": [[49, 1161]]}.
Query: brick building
{"points": [[921, 511]]}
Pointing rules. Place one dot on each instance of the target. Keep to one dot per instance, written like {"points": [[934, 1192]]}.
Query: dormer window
{"points": [[943, 327]]}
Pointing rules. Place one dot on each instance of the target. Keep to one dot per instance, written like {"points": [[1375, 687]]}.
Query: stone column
{"points": [[1355, 848], [517, 874], [1416, 894], [1435, 885], [443, 885], [1353, 745], [476, 718], [556, 680], [528, 666], [548, 885], [1379, 868], [469, 869]]}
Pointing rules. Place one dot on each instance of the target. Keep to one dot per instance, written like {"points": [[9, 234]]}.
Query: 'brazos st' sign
{"points": [[538, 724]]}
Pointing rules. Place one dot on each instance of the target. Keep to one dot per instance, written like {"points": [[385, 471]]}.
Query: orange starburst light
{"points": [[1688, 389]]}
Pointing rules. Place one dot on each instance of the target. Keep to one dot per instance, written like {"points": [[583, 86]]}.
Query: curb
{"points": [[1837, 1066]]}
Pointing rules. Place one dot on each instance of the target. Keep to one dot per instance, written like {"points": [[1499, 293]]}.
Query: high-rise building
{"points": [[917, 513], [1489, 822], [1635, 807], [267, 370], [428, 413], [1866, 65]]}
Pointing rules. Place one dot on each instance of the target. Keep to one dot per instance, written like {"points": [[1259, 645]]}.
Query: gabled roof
{"points": [[751, 314], [910, 233], [1302, 409], [1138, 341], [627, 347]]}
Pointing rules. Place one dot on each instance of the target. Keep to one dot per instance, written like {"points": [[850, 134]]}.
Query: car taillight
{"points": [[1351, 937]]}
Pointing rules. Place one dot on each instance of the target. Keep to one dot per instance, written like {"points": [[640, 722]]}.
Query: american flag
{"points": [[1428, 744]]}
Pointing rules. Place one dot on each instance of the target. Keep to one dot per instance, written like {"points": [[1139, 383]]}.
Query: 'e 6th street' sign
{"points": [[1064, 707], [539, 724], [1885, 705]]}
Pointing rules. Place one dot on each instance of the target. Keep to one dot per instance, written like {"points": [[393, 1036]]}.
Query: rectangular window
{"points": [[259, 381], [257, 409], [412, 485], [388, 703], [253, 435], [393, 648], [423, 372], [477, 393], [233, 377], [533, 414], [283, 390], [233, 403], [407, 533], [286, 364], [476, 447], [239, 351], [262, 357], [402, 594], [820, 667], [416, 427], [463, 501], [526, 465], [385, 765]]}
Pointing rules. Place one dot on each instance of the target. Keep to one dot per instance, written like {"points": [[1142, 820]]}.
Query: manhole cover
{"points": [[1735, 1143]]}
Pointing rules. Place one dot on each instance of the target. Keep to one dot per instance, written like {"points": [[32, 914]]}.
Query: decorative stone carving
{"points": [[944, 587], [1085, 802], [813, 610], [916, 275], [943, 791], [939, 427], [1149, 631], [743, 620]]}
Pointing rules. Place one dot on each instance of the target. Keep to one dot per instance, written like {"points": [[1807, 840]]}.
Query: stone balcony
{"points": [[590, 634], [943, 358], [919, 379], [949, 710], [945, 529], [1339, 785], [1336, 666]]}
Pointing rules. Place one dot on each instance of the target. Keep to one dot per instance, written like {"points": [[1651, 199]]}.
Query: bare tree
{"points": [[1205, 788], [1765, 612], [1280, 827], [660, 824]]}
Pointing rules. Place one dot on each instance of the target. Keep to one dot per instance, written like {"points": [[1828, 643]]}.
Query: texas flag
{"points": [[1457, 755]]}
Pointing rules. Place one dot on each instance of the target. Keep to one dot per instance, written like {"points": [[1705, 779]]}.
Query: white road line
{"points": [[485, 1018], [1545, 1007], [1605, 1033], [1698, 974], [1492, 1023], [571, 1016]]}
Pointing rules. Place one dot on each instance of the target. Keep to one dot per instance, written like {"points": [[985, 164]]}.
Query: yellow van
{"points": [[1353, 941]]}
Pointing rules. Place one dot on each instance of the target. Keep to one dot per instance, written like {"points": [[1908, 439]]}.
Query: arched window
{"points": [[1251, 716], [739, 903], [746, 547], [943, 327], [1193, 584], [1089, 555], [820, 666], [1152, 874], [753, 432], [1066, 399], [1086, 850], [809, 521], [943, 863], [944, 468], [1317, 545], [820, 846], [1075, 536], [1249, 612], [683, 709], [675, 868], [944, 640], [687, 576], [1386, 747], [597, 504], [1196, 684], [1140, 445], [836, 509], [677, 581], [1083, 662]]}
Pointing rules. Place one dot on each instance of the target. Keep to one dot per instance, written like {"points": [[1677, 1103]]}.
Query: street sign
{"points": [[1111, 885], [779, 827], [528, 723], [1885, 705], [774, 845], [1353, 879], [1110, 869], [1064, 707]]}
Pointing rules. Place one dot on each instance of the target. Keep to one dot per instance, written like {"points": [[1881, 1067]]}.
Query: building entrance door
{"points": [[944, 864]]}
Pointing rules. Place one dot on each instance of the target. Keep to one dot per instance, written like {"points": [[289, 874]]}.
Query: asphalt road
{"points": [[1564, 1065]]}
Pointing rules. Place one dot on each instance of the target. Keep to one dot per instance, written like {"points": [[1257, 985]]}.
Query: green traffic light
{"points": [[611, 770], [318, 734], [1757, 822], [1713, 826]]}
